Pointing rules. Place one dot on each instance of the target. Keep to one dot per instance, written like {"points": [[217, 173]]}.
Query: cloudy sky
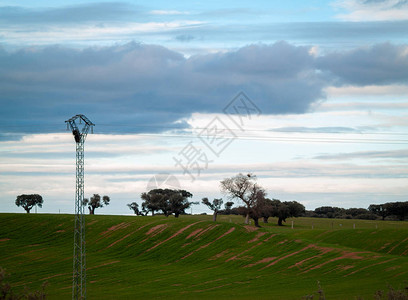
{"points": [[310, 96]]}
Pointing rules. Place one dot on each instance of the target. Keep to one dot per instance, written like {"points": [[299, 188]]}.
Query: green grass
{"points": [[194, 258]]}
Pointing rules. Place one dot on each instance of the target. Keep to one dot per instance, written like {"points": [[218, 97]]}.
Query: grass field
{"points": [[131, 257]]}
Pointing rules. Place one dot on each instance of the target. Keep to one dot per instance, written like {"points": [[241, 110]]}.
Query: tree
{"points": [[379, 210], [288, 209], [398, 209], [266, 208], [244, 188], [215, 206], [354, 212], [152, 201], [263, 208], [227, 207], [29, 201], [330, 212], [135, 207], [166, 200], [179, 203], [96, 202]]}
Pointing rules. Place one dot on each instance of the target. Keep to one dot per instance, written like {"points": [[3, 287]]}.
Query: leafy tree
{"points": [[380, 210], [244, 188], [354, 212], [367, 216], [295, 210], [166, 200], [262, 208], [152, 201], [179, 202], [96, 202], [398, 209], [254, 213], [228, 206], [287, 209], [267, 208], [281, 212], [135, 207], [29, 201], [330, 212], [215, 206]]}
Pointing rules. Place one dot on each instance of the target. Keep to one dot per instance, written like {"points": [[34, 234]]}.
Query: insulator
{"points": [[77, 135]]}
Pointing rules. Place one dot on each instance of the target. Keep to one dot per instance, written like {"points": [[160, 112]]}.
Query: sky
{"points": [[310, 96]]}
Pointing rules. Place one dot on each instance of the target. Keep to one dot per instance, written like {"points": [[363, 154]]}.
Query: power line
{"points": [[165, 127], [286, 139], [193, 132], [275, 130]]}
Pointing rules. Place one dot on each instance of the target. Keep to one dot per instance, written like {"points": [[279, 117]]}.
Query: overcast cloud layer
{"points": [[211, 26], [330, 79], [136, 84]]}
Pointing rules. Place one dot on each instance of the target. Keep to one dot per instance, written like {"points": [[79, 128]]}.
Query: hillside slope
{"points": [[191, 257]]}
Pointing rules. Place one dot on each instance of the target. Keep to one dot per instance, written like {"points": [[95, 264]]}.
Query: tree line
{"points": [[240, 187], [385, 211], [251, 197]]}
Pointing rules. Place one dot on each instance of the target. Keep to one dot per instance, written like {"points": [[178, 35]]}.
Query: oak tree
{"points": [[215, 206], [135, 207], [29, 201], [168, 201], [95, 202]]}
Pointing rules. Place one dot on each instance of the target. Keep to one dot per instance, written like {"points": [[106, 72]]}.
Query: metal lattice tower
{"points": [[79, 126]]}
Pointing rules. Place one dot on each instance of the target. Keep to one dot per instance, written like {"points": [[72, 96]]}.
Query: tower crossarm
{"points": [[79, 125]]}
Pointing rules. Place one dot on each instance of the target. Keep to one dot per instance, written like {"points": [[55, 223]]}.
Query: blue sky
{"points": [[328, 79]]}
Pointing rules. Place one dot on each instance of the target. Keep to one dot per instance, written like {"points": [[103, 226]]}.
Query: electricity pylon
{"points": [[80, 132]]}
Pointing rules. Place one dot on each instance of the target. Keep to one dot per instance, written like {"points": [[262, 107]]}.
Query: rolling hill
{"points": [[191, 257]]}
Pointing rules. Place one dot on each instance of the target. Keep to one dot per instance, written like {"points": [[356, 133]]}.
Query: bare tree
{"points": [[243, 188], [215, 206]]}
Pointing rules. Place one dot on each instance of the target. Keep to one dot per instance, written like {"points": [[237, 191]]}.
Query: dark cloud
{"points": [[149, 88], [137, 85], [104, 11], [377, 65]]}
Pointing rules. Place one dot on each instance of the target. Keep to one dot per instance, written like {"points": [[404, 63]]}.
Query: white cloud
{"points": [[125, 176], [390, 91], [324, 185], [369, 10], [85, 32], [169, 12]]}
